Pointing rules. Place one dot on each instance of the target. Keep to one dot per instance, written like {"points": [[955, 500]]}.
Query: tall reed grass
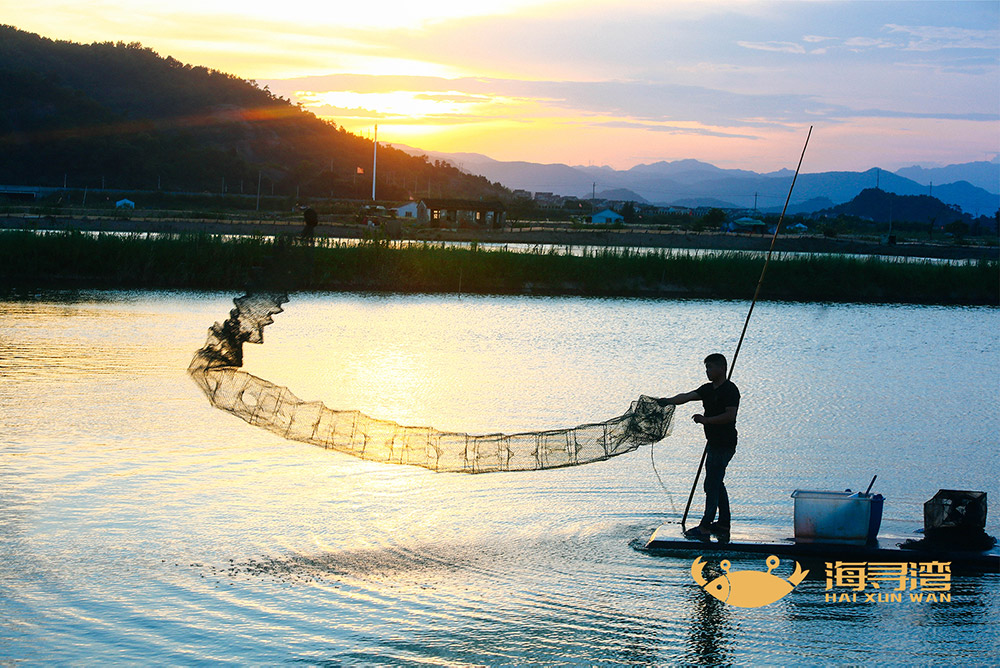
{"points": [[75, 259]]}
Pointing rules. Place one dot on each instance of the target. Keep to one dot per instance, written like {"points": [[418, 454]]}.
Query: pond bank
{"points": [[538, 233], [189, 261]]}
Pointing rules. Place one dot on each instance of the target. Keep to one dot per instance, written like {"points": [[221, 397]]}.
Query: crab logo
{"points": [[748, 589]]}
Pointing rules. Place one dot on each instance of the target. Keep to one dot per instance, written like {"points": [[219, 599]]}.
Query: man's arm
{"points": [[725, 418], [679, 399]]}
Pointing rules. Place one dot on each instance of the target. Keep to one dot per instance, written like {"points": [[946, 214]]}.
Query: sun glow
{"points": [[399, 104], [404, 115]]}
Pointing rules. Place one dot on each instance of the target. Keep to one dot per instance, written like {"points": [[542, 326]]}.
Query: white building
{"points": [[408, 210]]}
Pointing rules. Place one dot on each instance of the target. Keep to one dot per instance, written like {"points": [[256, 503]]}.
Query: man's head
{"points": [[715, 367]]}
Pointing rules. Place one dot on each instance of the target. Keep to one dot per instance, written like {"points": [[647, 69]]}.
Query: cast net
{"points": [[216, 370]]}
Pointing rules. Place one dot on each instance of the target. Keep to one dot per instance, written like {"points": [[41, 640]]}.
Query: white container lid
{"points": [[818, 494]]}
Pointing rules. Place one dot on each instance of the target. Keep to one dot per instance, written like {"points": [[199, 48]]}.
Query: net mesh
{"points": [[216, 370]]}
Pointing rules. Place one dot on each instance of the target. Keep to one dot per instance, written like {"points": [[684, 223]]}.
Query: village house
{"points": [[607, 217], [745, 224], [461, 213], [408, 210]]}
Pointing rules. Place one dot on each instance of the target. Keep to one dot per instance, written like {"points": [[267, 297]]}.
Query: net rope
{"points": [[216, 370]]}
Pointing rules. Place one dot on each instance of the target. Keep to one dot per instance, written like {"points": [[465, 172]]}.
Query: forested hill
{"points": [[125, 114], [881, 207]]}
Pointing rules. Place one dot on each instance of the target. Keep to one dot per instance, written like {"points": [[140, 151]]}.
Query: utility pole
{"points": [[64, 181], [258, 190], [755, 202], [223, 185], [593, 190], [374, 161]]}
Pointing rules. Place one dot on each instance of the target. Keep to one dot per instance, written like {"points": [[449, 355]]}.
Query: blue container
{"points": [[845, 518]]}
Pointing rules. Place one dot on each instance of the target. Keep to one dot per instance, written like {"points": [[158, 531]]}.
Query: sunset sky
{"points": [[885, 84]]}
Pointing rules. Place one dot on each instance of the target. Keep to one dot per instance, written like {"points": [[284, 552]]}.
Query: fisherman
{"points": [[721, 400]]}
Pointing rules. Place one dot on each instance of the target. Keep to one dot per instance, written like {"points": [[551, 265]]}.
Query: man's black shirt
{"points": [[716, 400]]}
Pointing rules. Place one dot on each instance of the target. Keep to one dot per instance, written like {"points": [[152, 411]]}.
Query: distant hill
{"points": [[693, 171], [985, 175], [881, 207], [975, 200], [809, 206], [696, 183], [517, 175], [697, 202], [621, 195], [122, 115]]}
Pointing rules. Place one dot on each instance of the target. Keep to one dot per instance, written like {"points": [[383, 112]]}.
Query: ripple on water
{"points": [[139, 525]]}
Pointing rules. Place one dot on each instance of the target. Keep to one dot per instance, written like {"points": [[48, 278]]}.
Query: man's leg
{"points": [[716, 497], [724, 517]]}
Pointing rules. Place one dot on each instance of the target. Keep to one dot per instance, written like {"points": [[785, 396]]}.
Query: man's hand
{"points": [[724, 418]]}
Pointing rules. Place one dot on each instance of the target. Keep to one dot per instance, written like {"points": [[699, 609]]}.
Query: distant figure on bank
{"points": [[311, 221], [721, 400]]}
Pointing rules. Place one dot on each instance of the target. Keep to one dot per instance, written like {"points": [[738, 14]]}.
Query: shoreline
{"points": [[77, 260], [538, 234]]}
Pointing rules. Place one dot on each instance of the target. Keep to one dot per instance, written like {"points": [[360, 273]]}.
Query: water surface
{"points": [[138, 524]]}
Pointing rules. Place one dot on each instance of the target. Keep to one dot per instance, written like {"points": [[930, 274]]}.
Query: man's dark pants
{"points": [[716, 497]]}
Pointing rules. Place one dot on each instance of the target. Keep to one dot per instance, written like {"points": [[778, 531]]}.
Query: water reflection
{"points": [[487, 602], [139, 525], [709, 636]]}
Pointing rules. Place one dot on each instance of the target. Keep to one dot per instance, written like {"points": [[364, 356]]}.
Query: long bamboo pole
{"points": [[746, 323]]}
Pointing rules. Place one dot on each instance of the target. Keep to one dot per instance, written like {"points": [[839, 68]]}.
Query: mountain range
{"points": [[974, 186], [119, 115]]}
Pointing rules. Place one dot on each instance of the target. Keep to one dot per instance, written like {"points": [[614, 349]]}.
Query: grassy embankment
{"points": [[75, 260]]}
